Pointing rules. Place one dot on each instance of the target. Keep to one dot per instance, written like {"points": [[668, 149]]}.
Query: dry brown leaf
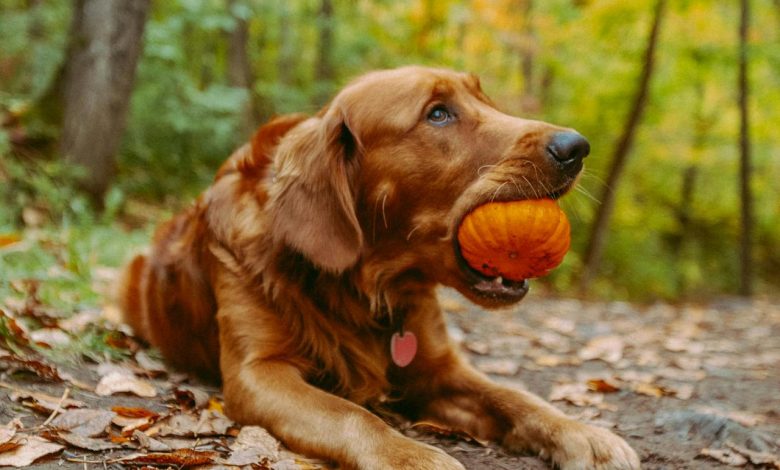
{"points": [[12, 363], [181, 458], [150, 364], [253, 445], [40, 401], [726, 456], [82, 442], [575, 393], [80, 321], [449, 433], [757, 458], [207, 423], [602, 386], [506, 367], [129, 412], [191, 397], [650, 390], [478, 347], [6, 434], [607, 348], [121, 382], [84, 422], [50, 337], [31, 448]]}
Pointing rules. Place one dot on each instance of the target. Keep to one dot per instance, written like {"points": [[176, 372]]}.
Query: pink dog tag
{"points": [[403, 348]]}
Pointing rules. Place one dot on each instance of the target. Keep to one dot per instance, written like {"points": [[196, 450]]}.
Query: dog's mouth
{"points": [[495, 289]]}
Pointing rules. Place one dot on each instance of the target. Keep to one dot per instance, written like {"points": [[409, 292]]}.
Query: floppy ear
{"points": [[312, 205]]}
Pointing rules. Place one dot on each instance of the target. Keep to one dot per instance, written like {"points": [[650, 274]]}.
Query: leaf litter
{"points": [[601, 362]]}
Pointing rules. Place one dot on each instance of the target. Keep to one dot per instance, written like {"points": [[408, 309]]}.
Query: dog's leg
{"points": [[272, 393], [454, 394]]}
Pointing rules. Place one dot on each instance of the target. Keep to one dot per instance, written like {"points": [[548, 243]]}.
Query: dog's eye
{"points": [[439, 116]]}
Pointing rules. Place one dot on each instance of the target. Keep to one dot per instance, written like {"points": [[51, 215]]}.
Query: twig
{"points": [[57, 408]]}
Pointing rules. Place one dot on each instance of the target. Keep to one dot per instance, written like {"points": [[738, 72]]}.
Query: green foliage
{"points": [[185, 118]]}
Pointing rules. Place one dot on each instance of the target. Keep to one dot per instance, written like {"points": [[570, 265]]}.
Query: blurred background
{"points": [[116, 113]]}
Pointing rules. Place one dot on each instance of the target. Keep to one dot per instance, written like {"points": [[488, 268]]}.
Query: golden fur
{"points": [[288, 276]]}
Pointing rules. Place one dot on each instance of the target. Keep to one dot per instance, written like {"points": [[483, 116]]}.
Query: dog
{"points": [[304, 278]]}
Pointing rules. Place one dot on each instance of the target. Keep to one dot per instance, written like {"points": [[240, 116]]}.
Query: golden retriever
{"points": [[305, 276]]}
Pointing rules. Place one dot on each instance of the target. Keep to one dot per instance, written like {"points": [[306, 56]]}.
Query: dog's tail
{"points": [[129, 296]]}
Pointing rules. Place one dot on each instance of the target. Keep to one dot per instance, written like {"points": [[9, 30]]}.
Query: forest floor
{"points": [[690, 386]]}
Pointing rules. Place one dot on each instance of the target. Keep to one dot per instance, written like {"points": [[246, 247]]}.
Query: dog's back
{"points": [[167, 296]]}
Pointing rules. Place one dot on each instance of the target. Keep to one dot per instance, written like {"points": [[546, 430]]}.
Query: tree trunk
{"points": [[323, 72], [105, 43], [746, 263], [240, 71], [286, 58], [598, 234], [529, 102]]}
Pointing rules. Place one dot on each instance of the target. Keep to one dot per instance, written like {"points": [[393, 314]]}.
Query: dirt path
{"points": [[672, 380]]}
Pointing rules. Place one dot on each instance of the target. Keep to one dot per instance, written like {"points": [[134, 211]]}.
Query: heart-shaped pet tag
{"points": [[403, 348]]}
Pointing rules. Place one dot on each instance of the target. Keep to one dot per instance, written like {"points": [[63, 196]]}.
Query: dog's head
{"points": [[382, 177]]}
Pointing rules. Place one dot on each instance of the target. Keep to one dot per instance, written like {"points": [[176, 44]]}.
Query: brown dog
{"points": [[322, 241]]}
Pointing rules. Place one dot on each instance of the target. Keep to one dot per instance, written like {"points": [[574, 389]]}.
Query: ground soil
{"points": [[688, 377]]}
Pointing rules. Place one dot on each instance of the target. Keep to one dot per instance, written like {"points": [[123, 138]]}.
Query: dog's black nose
{"points": [[569, 148]]}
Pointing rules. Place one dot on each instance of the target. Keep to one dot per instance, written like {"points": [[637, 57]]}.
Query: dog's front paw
{"points": [[408, 454], [584, 447]]}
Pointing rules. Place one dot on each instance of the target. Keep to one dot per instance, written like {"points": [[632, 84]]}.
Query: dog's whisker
{"points": [[384, 214], [479, 170], [409, 235], [586, 193], [498, 189]]}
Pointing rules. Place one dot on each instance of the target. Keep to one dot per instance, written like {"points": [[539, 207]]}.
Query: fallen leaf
{"points": [[82, 442], [607, 348], [79, 322], [650, 390], [31, 448], [207, 423], [134, 412], [575, 393], [6, 434], [120, 382], [84, 422], [478, 347], [602, 386], [40, 401], [253, 445], [149, 443], [756, 458], [50, 337], [190, 397], [12, 363], [130, 425], [181, 458], [726, 456], [150, 364], [507, 367], [449, 433]]}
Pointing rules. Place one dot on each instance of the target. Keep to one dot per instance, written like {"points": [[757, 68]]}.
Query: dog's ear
{"points": [[312, 200]]}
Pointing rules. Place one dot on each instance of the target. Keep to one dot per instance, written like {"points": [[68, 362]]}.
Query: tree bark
{"points": [[746, 196], [323, 72], [240, 70], [600, 226], [530, 101], [105, 43]]}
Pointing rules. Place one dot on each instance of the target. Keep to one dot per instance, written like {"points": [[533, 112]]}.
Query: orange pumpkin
{"points": [[516, 240]]}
